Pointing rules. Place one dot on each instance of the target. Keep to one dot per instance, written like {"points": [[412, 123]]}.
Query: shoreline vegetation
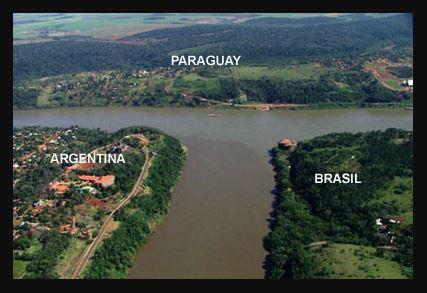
{"points": [[141, 216], [339, 231], [252, 107]]}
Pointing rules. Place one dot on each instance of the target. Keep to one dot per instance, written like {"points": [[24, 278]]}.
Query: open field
{"points": [[193, 82], [399, 191], [348, 261], [19, 268], [110, 25], [69, 258], [381, 70], [37, 27], [303, 71]]}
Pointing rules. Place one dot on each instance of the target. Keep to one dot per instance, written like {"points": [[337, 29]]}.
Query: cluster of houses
{"points": [[60, 187], [140, 74], [25, 221], [40, 205], [104, 81], [345, 64], [71, 228], [388, 62], [29, 147], [26, 215], [383, 226], [408, 82]]}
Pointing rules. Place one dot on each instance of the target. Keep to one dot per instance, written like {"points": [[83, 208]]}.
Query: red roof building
{"points": [[288, 143], [36, 210], [60, 188], [104, 181]]}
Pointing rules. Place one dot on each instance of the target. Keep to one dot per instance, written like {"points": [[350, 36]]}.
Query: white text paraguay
{"points": [[87, 158], [210, 60]]}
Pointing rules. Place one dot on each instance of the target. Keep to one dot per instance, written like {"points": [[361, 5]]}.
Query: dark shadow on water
{"points": [[271, 220]]}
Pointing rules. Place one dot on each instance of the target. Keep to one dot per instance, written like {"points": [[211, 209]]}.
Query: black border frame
{"points": [[217, 6]]}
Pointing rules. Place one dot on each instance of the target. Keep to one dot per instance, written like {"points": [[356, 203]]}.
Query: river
{"points": [[221, 204]]}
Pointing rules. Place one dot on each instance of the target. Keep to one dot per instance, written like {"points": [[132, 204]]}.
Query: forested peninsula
{"points": [[343, 230]]}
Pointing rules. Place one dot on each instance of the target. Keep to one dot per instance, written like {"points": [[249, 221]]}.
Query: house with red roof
{"points": [[288, 144], [104, 181]]}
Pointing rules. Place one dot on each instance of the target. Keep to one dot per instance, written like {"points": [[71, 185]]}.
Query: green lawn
{"points": [[394, 83], [19, 268], [303, 71], [348, 261], [194, 83], [400, 191], [96, 25], [69, 258], [34, 248], [43, 98]]}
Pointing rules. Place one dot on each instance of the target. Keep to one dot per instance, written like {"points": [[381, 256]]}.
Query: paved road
{"points": [[94, 245]]}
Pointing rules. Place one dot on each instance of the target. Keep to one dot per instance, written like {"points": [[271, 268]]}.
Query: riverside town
{"points": [[87, 158]]}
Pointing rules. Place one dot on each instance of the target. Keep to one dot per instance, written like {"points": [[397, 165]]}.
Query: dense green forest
{"points": [[259, 41], [42, 264], [295, 22], [115, 256], [306, 213], [361, 89], [402, 71]]}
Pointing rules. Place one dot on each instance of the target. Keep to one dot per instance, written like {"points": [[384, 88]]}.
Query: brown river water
{"points": [[220, 206]]}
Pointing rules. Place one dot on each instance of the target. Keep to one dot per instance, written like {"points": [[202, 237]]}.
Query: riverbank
{"points": [[251, 106], [322, 106], [227, 179], [140, 217]]}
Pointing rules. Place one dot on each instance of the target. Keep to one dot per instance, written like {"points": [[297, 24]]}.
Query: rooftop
{"points": [[97, 179]]}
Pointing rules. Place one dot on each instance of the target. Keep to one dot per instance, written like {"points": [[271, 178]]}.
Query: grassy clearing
{"points": [[69, 258], [303, 71], [34, 248], [385, 76], [43, 98], [19, 267], [395, 84], [348, 261], [399, 191], [195, 83], [98, 26]]}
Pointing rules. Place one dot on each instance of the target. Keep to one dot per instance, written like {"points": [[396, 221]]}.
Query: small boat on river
{"points": [[215, 115]]}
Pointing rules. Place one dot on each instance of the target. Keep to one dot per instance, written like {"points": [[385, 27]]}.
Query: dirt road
{"points": [[94, 245]]}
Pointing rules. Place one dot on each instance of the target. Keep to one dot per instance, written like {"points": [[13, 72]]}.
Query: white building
{"points": [[409, 82]]}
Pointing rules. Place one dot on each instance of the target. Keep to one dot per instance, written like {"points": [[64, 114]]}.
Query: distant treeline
{"points": [[60, 57], [402, 71], [305, 212], [361, 88], [296, 22], [268, 41]]}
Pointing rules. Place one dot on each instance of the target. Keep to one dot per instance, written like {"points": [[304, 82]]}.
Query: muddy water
{"points": [[221, 204]]}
